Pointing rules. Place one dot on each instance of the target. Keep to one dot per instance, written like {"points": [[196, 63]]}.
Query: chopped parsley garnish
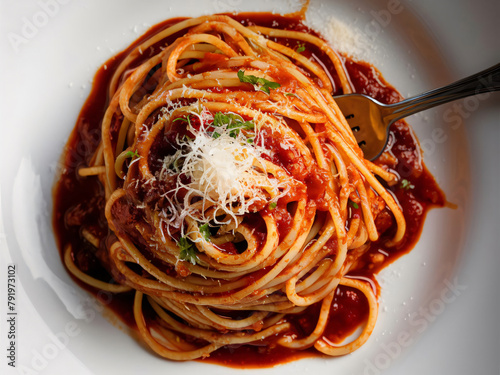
{"points": [[354, 204], [405, 184], [301, 47], [188, 252], [205, 232], [231, 121], [132, 154], [272, 205], [264, 84], [290, 94]]}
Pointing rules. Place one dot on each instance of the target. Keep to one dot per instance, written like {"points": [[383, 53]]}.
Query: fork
{"points": [[370, 120]]}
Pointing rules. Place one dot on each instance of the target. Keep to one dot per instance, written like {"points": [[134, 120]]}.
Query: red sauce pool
{"points": [[74, 195]]}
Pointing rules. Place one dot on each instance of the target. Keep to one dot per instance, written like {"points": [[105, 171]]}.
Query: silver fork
{"points": [[370, 120]]}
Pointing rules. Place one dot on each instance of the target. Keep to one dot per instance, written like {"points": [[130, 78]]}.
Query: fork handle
{"points": [[486, 81]]}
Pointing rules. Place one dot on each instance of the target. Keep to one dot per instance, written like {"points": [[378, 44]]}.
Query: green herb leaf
{"points": [[231, 121], [188, 252], [248, 125], [405, 184], [132, 154], [264, 84], [221, 119], [272, 205], [301, 47], [290, 94], [205, 232], [354, 204]]}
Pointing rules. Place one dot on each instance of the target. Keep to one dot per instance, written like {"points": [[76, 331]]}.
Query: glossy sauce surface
{"points": [[80, 201]]}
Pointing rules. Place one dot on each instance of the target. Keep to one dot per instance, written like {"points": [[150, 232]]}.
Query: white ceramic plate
{"points": [[439, 304]]}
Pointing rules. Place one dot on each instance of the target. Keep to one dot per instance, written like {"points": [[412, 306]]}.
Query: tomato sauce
{"points": [[80, 201]]}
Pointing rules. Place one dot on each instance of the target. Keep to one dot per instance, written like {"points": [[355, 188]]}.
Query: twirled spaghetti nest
{"points": [[235, 189]]}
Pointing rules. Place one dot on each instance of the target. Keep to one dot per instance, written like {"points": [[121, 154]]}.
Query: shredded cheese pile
{"points": [[225, 173]]}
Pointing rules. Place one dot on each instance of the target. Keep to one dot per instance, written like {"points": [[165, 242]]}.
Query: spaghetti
{"points": [[235, 193]]}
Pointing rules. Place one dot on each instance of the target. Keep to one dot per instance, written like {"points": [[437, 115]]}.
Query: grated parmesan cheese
{"points": [[227, 172], [347, 39]]}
